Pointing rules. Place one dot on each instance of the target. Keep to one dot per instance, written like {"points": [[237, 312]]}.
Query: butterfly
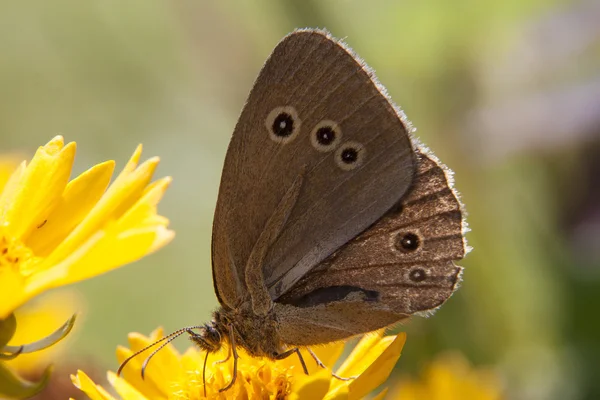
{"points": [[331, 220]]}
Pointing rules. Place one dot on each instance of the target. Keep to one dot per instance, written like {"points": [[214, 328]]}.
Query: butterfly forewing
{"points": [[314, 115]]}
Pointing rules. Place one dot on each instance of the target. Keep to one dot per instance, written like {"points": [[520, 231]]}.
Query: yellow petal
{"points": [[80, 196], [110, 252], [41, 186], [132, 373], [12, 291], [141, 177], [125, 390], [311, 387], [162, 238], [103, 252], [95, 392], [131, 164], [8, 165], [379, 369], [164, 367], [193, 358], [143, 212], [349, 367], [121, 195], [340, 393], [51, 276], [10, 189]]}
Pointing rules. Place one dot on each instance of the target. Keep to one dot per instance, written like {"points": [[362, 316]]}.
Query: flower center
{"points": [[254, 380], [15, 255]]}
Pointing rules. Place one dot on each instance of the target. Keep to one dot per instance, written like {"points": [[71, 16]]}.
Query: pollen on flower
{"points": [[189, 388], [14, 255], [283, 387], [255, 379]]}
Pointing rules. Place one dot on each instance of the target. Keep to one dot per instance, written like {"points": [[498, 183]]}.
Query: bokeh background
{"points": [[507, 93]]}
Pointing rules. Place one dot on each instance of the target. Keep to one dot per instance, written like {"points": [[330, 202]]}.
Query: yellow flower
{"points": [[450, 377], [174, 376], [54, 232]]}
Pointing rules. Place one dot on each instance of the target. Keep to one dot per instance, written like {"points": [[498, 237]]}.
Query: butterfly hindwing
{"points": [[402, 265]]}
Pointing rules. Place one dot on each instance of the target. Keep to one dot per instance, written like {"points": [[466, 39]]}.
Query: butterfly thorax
{"points": [[257, 335]]}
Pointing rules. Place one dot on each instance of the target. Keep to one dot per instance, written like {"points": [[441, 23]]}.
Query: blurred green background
{"points": [[506, 93]]}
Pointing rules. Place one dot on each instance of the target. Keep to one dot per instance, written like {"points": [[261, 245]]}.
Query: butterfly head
{"points": [[207, 338]]}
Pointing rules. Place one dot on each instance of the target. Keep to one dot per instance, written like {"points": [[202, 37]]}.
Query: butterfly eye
{"points": [[417, 275], [407, 242], [283, 124], [326, 136], [350, 155]]}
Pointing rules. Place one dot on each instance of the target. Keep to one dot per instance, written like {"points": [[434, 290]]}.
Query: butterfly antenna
{"points": [[137, 353], [147, 360]]}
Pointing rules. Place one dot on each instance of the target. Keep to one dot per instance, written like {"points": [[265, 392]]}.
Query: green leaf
{"points": [[46, 342], [7, 329], [12, 386]]}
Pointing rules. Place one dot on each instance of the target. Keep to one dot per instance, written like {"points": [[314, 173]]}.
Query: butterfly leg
{"points": [[314, 356], [288, 353], [235, 359], [226, 358], [320, 364]]}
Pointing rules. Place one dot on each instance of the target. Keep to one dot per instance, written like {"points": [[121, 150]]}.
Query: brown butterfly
{"points": [[330, 222]]}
